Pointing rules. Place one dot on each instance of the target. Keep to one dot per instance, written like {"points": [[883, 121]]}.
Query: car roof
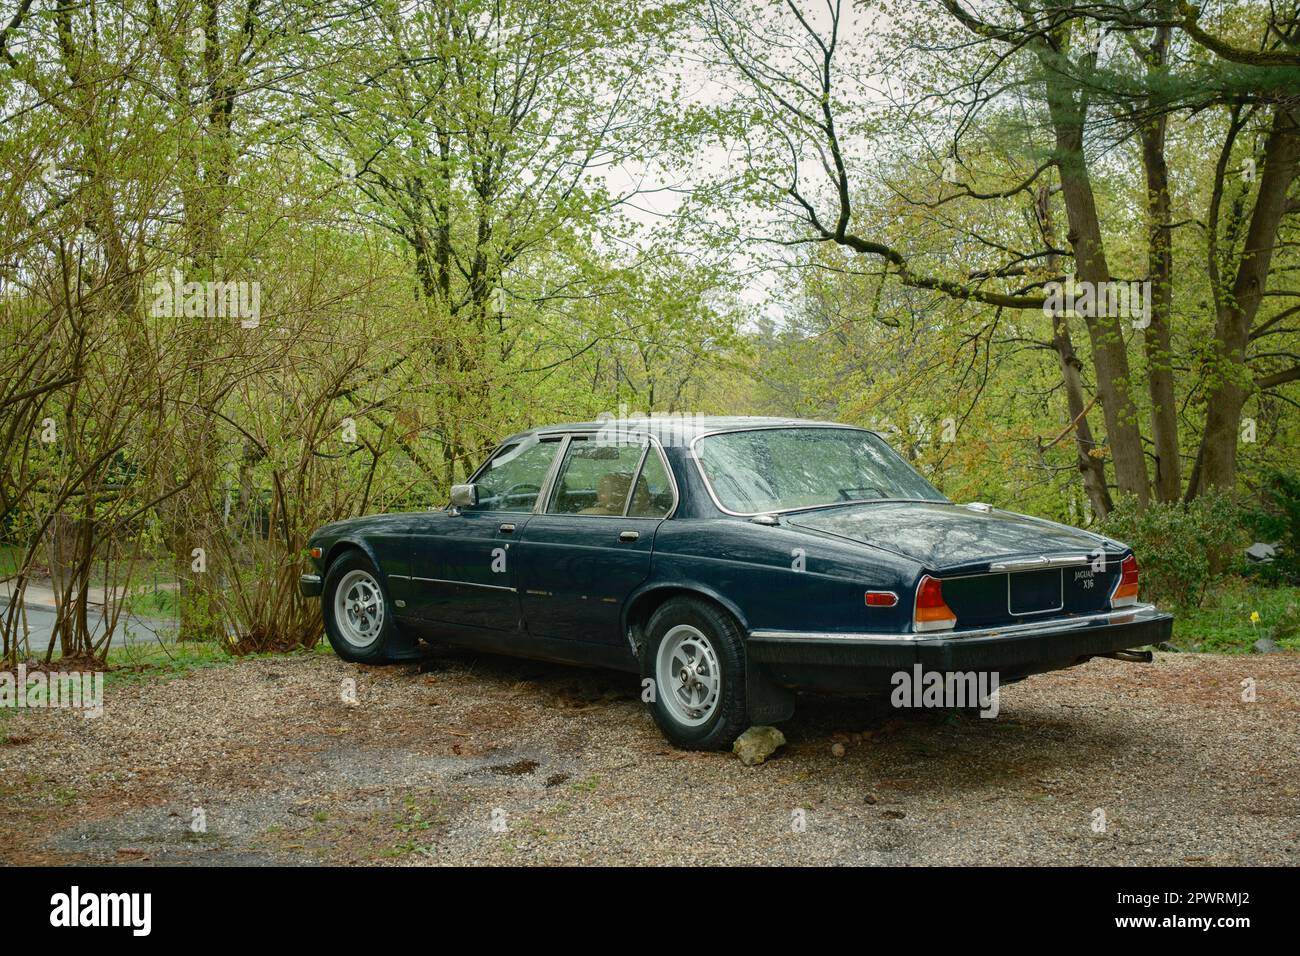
{"points": [[682, 426]]}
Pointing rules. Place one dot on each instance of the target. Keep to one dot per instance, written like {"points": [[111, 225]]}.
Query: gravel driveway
{"points": [[470, 759]]}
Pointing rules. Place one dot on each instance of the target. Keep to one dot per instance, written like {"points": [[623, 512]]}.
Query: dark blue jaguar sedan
{"points": [[731, 562]]}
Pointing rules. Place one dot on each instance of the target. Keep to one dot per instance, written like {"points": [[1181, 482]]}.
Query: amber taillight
{"points": [[1126, 589], [931, 613]]}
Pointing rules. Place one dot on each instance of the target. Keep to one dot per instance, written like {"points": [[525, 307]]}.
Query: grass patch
{"points": [[160, 602], [1222, 624], [130, 663]]}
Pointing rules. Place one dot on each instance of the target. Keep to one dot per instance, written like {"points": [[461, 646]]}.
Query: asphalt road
{"points": [[132, 630]]}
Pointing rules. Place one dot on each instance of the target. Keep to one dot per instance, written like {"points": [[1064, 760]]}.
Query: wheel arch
{"points": [[765, 701], [644, 602], [352, 544], [404, 646], [344, 545]]}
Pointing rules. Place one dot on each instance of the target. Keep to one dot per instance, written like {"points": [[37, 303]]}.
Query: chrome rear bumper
{"points": [[1136, 614]]}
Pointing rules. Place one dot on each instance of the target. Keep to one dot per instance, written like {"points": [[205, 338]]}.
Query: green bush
{"points": [[1287, 625], [1182, 549], [1223, 623], [1278, 520]]}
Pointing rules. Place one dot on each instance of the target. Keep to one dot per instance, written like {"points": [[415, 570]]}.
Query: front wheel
{"points": [[695, 654], [358, 619]]}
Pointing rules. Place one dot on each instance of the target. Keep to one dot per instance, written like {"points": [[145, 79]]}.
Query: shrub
{"points": [[1182, 548], [1278, 520], [1287, 625]]}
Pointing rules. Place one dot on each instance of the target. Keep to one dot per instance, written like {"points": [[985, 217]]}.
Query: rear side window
{"points": [[652, 497], [594, 478]]}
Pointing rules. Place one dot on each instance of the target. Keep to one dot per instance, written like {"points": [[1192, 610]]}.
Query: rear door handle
{"points": [[628, 535], [507, 528]]}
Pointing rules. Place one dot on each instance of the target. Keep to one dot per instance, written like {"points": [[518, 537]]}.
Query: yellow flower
{"points": [[1254, 617]]}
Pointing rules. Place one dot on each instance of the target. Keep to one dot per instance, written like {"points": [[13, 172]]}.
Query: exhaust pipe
{"points": [[1133, 657]]}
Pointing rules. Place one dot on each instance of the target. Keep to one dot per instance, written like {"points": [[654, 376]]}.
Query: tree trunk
{"points": [[1160, 268], [1108, 353], [1091, 466], [1236, 313]]}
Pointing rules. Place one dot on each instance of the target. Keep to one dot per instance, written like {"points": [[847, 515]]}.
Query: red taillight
{"points": [[1126, 589], [315, 552], [881, 598], [931, 614]]}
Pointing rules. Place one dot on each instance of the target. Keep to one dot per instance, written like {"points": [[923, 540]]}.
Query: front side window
{"points": [[514, 477], [594, 478], [777, 469]]}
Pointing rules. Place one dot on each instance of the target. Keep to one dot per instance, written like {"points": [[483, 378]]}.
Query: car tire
{"points": [[695, 655], [358, 614]]}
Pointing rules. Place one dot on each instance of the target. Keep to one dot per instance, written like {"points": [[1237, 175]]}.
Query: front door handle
{"points": [[628, 535], [507, 528]]}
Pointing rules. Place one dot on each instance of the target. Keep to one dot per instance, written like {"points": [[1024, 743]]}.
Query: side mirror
{"points": [[464, 496]]}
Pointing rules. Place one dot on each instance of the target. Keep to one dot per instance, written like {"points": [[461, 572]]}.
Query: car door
{"points": [[590, 546], [463, 570]]}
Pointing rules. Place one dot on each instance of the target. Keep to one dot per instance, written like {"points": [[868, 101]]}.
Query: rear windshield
{"points": [[777, 469]]}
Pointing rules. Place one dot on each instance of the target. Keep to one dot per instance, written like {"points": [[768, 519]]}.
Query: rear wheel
{"points": [[695, 654], [358, 619]]}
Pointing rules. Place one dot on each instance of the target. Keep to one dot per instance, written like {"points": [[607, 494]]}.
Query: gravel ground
{"points": [[469, 760]]}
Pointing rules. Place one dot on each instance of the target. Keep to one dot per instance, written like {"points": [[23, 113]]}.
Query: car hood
{"points": [[942, 535]]}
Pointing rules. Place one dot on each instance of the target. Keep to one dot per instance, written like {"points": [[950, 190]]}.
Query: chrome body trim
{"points": [[879, 591], [1040, 563], [468, 584], [1136, 614], [1060, 592]]}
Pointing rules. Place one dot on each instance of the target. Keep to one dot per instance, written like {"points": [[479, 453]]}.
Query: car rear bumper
{"points": [[309, 585], [849, 661]]}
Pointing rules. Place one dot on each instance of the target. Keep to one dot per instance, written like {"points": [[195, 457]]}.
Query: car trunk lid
{"points": [[996, 566]]}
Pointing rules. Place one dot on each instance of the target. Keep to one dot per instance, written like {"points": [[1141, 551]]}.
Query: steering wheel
{"points": [[523, 488]]}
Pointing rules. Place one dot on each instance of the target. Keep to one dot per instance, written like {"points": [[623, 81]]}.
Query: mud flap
{"points": [[402, 647], [767, 702]]}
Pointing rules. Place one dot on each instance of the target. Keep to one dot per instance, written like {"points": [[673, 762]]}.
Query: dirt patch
{"points": [[466, 759], [516, 768]]}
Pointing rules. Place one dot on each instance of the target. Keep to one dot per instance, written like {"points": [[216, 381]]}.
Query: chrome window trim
{"points": [[548, 486], [643, 436], [699, 467], [636, 476]]}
